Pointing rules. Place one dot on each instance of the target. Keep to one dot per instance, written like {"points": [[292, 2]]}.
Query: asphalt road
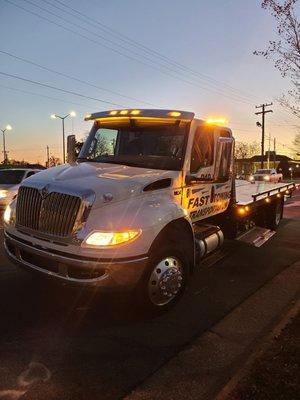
{"points": [[57, 343]]}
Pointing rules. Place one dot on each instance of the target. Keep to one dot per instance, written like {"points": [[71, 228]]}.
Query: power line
{"points": [[45, 96], [125, 39], [116, 44], [58, 89], [72, 77], [217, 91]]}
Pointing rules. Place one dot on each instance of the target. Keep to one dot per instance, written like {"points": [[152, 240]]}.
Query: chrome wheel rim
{"points": [[165, 281]]}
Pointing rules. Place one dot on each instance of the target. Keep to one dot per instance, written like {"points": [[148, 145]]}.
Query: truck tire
{"points": [[164, 280], [274, 215]]}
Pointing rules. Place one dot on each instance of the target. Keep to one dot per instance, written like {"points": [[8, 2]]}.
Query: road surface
{"points": [[56, 343]]}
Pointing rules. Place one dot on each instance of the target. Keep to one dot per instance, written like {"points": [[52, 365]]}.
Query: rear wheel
{"points": [[273, 214]]}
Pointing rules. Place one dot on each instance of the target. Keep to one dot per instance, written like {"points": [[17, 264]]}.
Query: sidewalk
{"points": [[204, 368], [275, 373]]}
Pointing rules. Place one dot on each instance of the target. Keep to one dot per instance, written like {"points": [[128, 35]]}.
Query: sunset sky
{"points": [[192, 55]]}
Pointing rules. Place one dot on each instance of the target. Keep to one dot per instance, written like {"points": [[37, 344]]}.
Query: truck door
{"points": [[208, 184]]}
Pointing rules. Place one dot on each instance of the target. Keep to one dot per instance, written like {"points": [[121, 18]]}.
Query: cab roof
{"points": [[142, 113]]}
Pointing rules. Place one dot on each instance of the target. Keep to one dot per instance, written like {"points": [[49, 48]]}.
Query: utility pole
{"points": [[48, 157], [263, 112], [269, 150], [274, 166]]}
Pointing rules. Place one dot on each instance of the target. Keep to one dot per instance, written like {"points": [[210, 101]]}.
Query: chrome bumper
{"points": [[122, 274]]}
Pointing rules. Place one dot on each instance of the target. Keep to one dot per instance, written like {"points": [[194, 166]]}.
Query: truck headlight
{"points": [[3, 194], [7, 214], [266, 178], [251, 178], [104, 239]]}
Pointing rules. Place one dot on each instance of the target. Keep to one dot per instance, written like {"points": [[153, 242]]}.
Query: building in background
{"points": [[286, 165]]}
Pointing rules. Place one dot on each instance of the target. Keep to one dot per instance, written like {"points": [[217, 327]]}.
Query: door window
{"points": [[203, 149]]}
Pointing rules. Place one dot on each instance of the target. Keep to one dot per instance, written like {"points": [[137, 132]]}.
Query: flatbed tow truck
{"points": [[151, 195]]}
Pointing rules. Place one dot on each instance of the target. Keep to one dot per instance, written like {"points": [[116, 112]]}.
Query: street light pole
{"points": [[54, 116], [7, 128], [64, 144]]}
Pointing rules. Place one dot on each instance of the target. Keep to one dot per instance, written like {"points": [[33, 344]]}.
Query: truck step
{"points": [[256, 236]]}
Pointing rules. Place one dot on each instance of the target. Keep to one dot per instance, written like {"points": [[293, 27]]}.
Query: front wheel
{"points": [[165, 279]]}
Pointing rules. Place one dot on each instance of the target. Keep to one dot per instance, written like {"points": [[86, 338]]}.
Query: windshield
{"points": [[263, 171], [148, 145], [11, 177]]}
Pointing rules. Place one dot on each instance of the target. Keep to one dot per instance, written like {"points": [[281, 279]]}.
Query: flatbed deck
{"points": [[247, 193]]}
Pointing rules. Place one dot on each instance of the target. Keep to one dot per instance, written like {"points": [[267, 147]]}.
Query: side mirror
{"points": [[71, 151], [223, 161]]}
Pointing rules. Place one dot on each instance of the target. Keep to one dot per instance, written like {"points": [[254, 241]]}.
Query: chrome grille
{"points": [[55, 214]]}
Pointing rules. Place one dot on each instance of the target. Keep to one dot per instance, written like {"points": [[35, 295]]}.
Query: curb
{"points": [[286, 317], [212, 364]]}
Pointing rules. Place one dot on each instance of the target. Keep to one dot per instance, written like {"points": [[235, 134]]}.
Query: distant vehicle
{"points": [[10, 180], [267, 175]]}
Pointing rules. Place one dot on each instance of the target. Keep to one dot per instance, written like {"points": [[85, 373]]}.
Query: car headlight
{"points": [[7, 214], [104, 239], [266, 178], [3, 194], [251, 178]]}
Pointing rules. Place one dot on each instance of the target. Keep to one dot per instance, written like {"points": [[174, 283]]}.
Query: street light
{"points": [[7, 128], [55, 116]]}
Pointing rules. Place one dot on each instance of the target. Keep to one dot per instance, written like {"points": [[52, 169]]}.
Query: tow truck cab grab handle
{"points": [[190, 179]]}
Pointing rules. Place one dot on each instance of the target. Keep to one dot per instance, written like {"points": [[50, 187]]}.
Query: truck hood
{"points": [[106, 182]]}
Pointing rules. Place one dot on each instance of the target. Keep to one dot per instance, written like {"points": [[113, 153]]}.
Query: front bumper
{"points": [[117, 274]]}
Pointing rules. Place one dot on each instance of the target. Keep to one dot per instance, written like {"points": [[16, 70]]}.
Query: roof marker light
{"points": [[135, 112], [124, 112], [113, 112], [174, 114], [217, 121]]}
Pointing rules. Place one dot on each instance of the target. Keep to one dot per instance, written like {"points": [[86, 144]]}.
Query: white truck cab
{"points": [[151, 194]]}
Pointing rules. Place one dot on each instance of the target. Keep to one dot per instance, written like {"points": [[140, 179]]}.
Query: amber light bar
{"points": [[146, 113]]}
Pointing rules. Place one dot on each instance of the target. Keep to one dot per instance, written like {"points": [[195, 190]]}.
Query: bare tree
{"points": [[246, 150], [53, 161], [286, 50], [296, 142]]}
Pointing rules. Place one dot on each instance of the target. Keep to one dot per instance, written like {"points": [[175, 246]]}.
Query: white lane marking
{"points": [[293, 204]]}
